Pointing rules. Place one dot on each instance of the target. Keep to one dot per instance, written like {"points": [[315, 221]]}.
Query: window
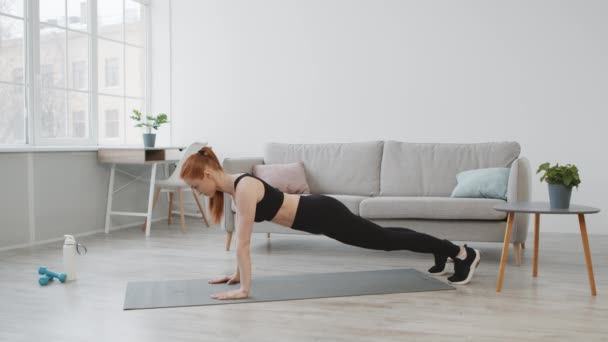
{"points": [[121, 54], [46, 75], [79, 75], [13, 85], [68, 52], [60, 44], [18, 76], [112, 66], [79, 124], [112, 124], [79, 115]]}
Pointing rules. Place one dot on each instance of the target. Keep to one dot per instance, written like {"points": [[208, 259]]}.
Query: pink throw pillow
{"points": [[289, 178]]}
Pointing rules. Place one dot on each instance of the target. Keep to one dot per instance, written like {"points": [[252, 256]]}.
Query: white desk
{"points": [[152, 156]]}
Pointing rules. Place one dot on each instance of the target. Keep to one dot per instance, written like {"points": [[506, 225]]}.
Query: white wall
{"points": [[160, 66], [49, 194], [248, 72]]}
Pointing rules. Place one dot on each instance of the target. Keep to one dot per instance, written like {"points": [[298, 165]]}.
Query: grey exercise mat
{"points": [[173, 293]]}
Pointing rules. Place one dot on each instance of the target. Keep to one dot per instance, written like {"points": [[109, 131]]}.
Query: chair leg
{"points": [[180, 199], [156, 195], [228, 240], [200, 207], [523, 245], [170, 208], [269, 235], [517, 249]]}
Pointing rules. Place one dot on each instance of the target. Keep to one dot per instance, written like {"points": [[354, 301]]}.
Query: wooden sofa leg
{"points": [[228, 240], [523, 245], [517, 249]]}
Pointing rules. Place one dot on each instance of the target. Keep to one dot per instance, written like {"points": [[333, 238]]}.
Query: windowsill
{"points": [[74, 148], [21, 149], [27, 149]]}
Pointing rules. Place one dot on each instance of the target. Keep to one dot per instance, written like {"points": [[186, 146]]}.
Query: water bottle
{"points": [[69, 257]]}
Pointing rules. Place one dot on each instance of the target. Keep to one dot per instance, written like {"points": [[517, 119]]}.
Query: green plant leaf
{"points": [[543, 167], [566, 175]]}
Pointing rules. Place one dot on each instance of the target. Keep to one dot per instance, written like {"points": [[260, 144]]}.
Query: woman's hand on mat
{"points": [[234, 294], [233, 279]]}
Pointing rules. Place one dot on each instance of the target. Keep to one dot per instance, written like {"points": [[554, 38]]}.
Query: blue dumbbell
{"points": [[61, 276], [44, 280]]}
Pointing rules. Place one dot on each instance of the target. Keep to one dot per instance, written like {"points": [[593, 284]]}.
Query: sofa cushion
{"points": [[333, 168], [482, 183], [428, 169], [439, 208], [289, 178]]}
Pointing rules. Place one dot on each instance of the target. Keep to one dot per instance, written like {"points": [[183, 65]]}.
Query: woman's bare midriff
{"points": [[287, 213]]}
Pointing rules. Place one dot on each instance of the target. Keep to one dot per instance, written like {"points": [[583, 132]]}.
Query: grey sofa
{"points": [[401, 184]]}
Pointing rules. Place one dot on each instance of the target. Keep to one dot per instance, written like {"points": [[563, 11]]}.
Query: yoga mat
{"points": [[174, 293]]}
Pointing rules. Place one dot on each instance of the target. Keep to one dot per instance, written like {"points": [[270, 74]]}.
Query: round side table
{"points": [[538, 208]]}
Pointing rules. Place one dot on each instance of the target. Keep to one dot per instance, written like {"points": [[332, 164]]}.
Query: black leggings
{"points": [[320, 214]]}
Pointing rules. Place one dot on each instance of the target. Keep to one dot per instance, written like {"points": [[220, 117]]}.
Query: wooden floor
{"points": [[555, 306]]}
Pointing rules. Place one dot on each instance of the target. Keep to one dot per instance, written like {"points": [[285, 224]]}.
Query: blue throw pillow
{"points": [[482, 183]]}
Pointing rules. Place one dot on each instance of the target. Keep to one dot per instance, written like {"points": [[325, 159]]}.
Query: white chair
{"points": [[175, 184]]}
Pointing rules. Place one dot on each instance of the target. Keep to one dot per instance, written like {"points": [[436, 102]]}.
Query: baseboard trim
{"points": [[102, 230]]}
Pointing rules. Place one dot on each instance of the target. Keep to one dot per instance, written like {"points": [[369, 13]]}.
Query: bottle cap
{"points": [[69, 240]]}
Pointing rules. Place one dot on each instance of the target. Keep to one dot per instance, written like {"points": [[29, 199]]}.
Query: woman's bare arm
{"points": [[246, 199]]}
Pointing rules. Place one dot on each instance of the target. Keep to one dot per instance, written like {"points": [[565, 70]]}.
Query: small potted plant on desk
{"points": [[149, 122], [561, 179]]}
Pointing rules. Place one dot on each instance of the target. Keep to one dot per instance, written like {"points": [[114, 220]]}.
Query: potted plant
{"points": [[149, 122], [561, 179]]}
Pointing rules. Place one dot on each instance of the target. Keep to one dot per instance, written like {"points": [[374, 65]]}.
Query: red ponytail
{"points": [[193, 168]]}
